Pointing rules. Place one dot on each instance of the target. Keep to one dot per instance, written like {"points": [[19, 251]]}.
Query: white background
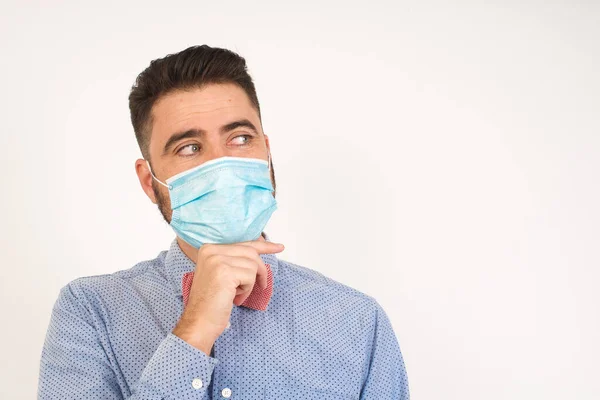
{"points": [[441, 157]]}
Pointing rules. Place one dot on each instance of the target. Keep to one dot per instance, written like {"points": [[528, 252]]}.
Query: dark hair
{"points": [[193, 67]]}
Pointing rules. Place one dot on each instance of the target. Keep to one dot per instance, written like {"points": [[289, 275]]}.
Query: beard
{"points": [[163, 201]]}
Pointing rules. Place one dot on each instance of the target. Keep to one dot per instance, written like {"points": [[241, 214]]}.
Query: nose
{"points": [[216, 152]]}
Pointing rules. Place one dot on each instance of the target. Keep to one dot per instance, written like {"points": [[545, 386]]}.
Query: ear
{"points": [[145, 178], [267, 142]]}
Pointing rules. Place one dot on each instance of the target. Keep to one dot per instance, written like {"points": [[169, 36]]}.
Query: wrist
{"points": [[194, 337]]}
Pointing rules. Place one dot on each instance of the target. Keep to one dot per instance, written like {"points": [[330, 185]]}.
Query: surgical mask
{"points": [[225, 200]]}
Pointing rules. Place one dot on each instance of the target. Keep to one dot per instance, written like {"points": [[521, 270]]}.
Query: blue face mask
{"points": [[225, 200]]}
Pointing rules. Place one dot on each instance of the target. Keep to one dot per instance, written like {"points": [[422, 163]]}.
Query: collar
{"points": [[177, 264]]}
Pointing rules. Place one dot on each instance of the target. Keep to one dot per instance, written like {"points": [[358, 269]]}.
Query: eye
{"points": [[246, 138], [188, 150]]}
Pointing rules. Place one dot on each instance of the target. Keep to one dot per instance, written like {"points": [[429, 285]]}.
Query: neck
{"points": [[191, 252]]}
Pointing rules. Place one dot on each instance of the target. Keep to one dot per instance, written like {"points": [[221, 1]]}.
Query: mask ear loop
{"points": [[156, 179], [269, 160]]}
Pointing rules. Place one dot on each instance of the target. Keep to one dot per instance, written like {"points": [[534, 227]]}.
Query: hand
{"points": [[225, 275]]}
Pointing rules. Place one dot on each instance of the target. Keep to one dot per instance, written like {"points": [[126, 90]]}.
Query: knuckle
{"points": [[244, 251], [259, 263], [208, 258], [249, 252], [214, 261], [259, 260], [205, 249], [224, 271]]}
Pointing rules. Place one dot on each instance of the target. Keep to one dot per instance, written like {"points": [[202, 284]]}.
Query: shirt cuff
{"points": [[177, 370]]}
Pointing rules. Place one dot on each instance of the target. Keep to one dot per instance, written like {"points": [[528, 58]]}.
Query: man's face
{"points": [[195, 126]]}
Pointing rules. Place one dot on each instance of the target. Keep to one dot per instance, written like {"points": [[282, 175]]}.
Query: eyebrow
{"points": [[237, 124], [194, 133]]}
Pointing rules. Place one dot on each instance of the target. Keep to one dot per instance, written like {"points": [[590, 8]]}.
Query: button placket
{"points": [[238, 355], [227, 354]]}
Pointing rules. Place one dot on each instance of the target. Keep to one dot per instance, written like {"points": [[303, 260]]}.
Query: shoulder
{"points": [[315, 288], [93, 288], [294, 274]]}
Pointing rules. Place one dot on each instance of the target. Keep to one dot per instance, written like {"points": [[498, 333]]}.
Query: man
{"points": [[218, 315]]}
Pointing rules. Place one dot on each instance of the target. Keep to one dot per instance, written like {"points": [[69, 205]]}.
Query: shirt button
{"points": [[226, 393], [197, 383], [228, 324]]}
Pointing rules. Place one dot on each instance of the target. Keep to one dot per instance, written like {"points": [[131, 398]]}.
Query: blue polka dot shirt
{"points": [[110, 338]]}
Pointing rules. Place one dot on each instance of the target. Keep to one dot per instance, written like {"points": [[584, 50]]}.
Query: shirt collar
{"points": [[177, 264]]}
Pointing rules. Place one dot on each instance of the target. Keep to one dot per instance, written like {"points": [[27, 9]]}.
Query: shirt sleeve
{"points": [[74, 364], [386, 377]]}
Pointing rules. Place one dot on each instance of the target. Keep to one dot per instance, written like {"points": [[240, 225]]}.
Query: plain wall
{"points": [[442, 157]]}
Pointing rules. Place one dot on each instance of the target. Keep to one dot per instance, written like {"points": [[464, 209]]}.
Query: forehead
{"points": [[207, 108]]}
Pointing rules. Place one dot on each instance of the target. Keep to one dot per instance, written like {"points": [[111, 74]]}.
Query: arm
{"points": [[74, 364], [386, 377]]}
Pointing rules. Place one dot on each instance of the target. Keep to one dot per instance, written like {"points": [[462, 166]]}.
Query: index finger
{"points": [[264, 247]]}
